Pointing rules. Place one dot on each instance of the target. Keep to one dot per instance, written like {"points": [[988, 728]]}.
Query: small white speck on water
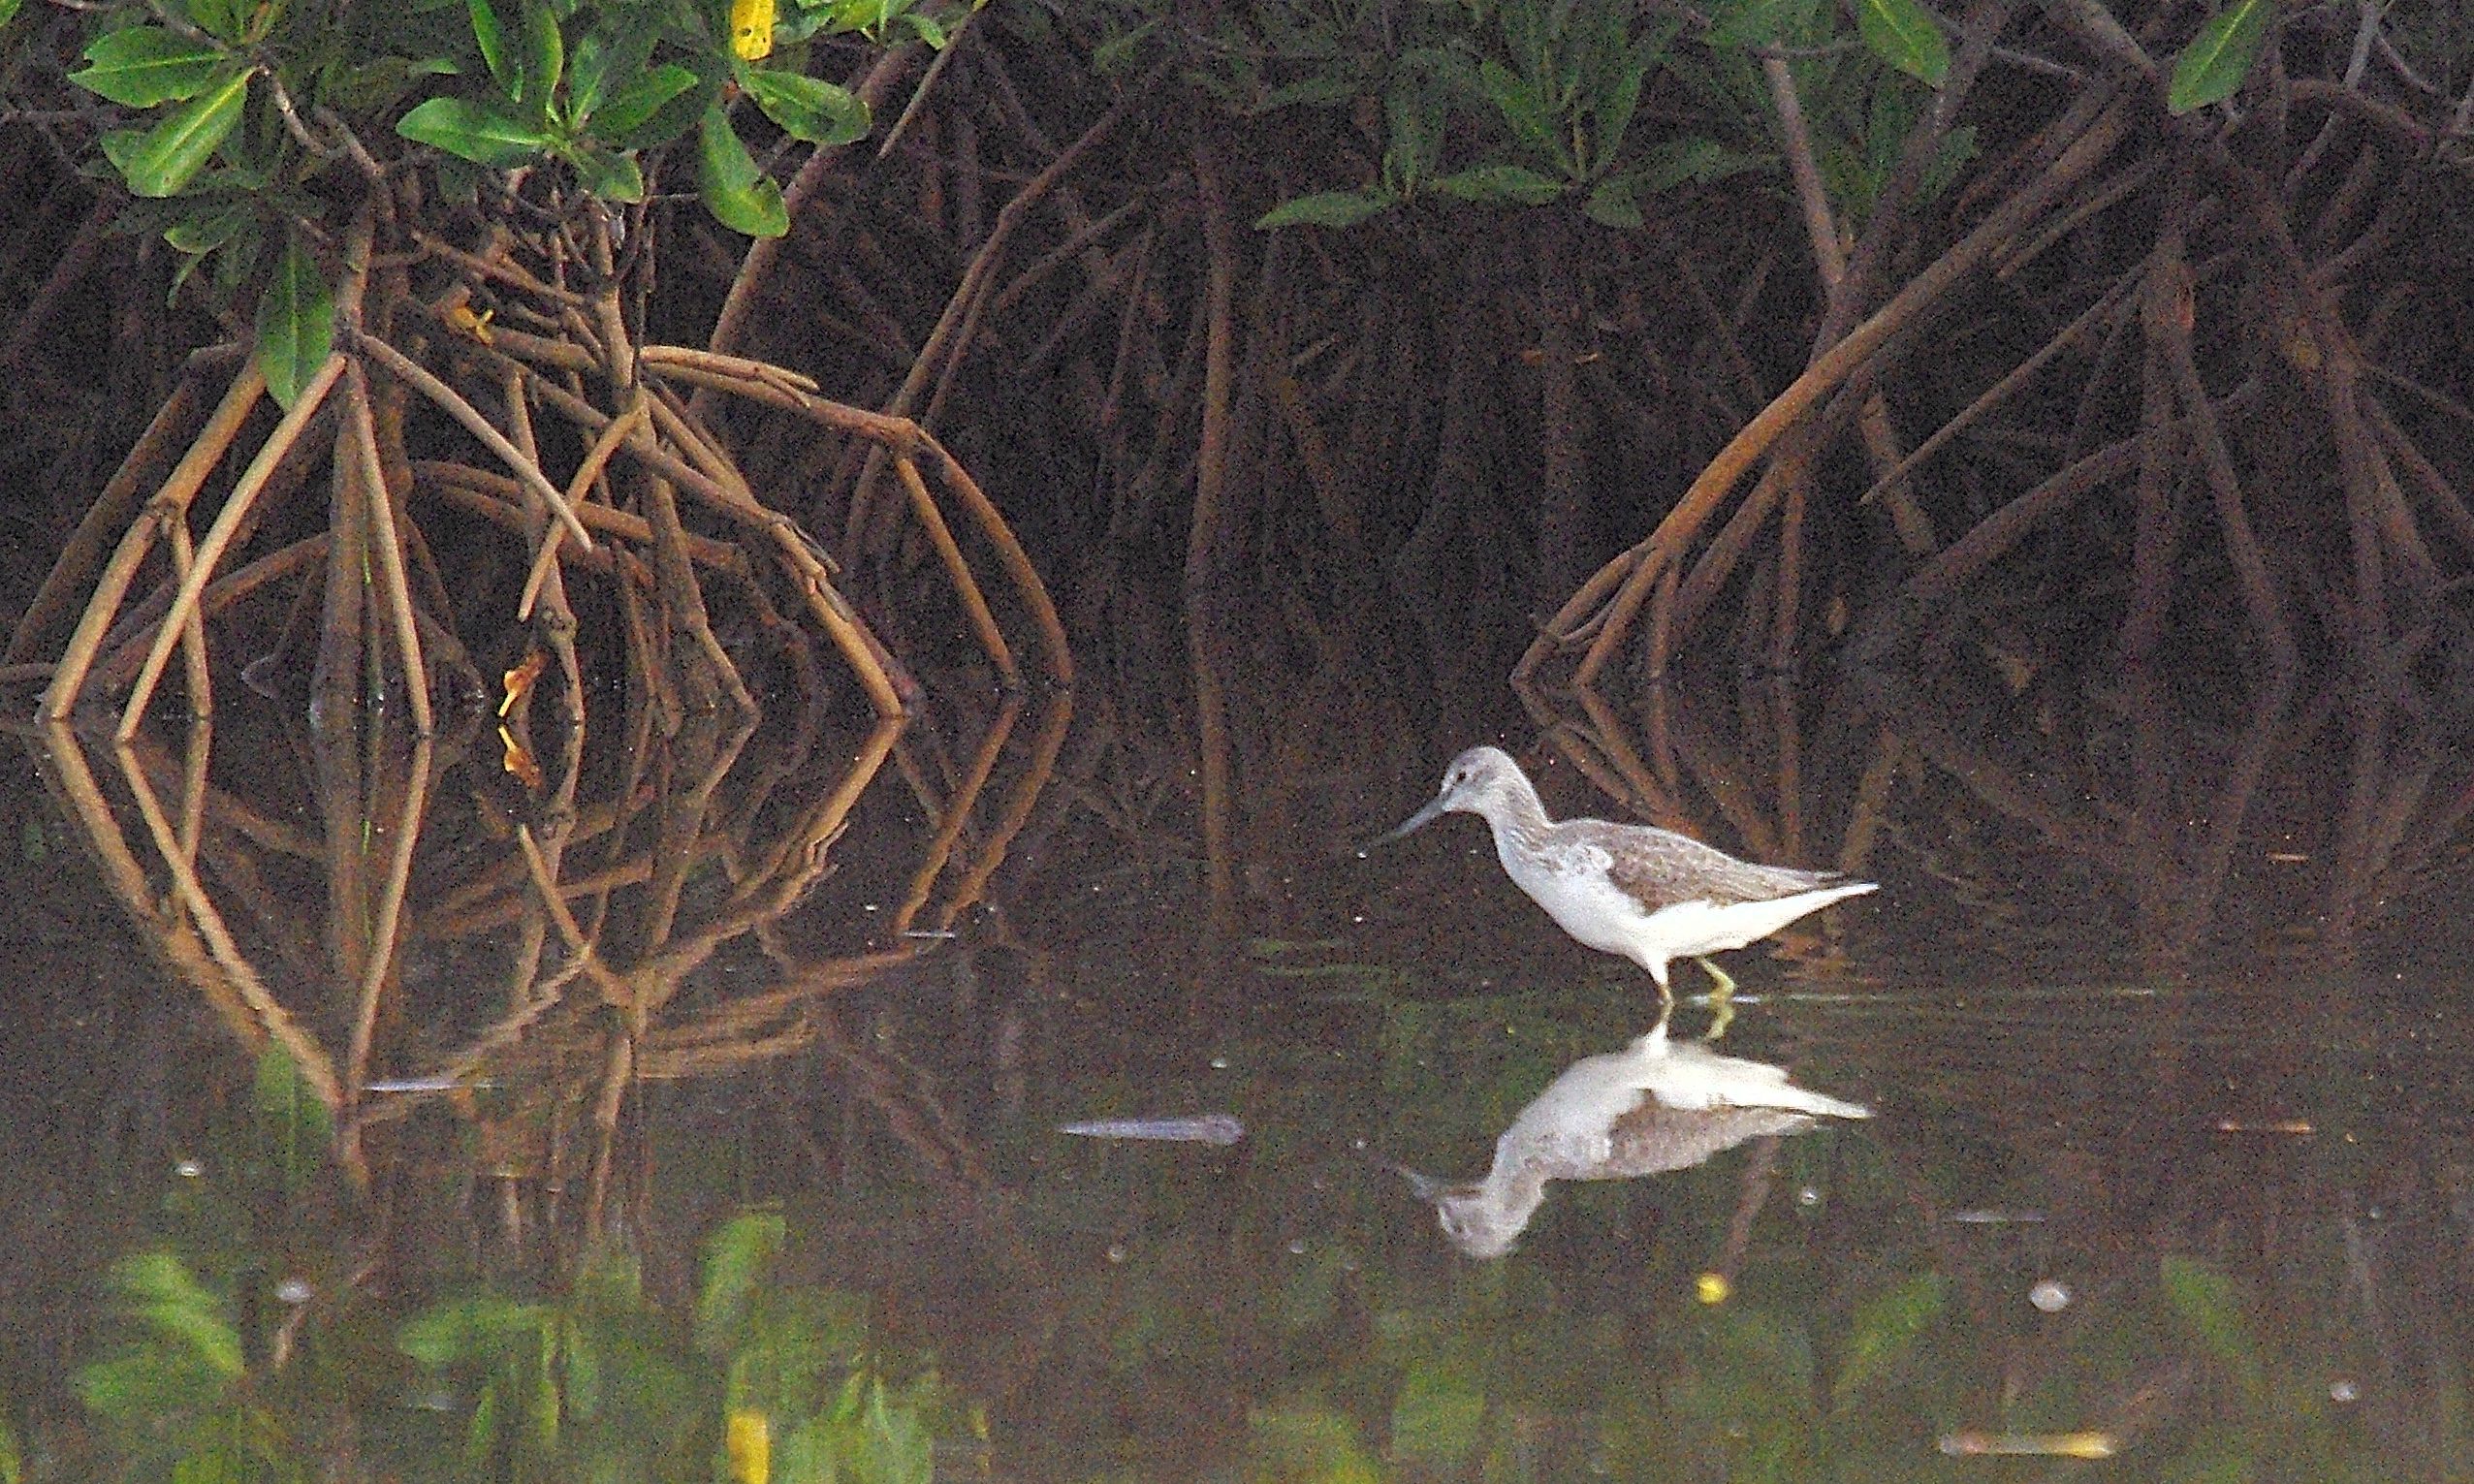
{"points": [[1220, 1063], [1808, 1196], [293, 1290], [2052, 1295], [1297, 1248], [2343, 1390], [189, 1168], [869, 907], [1115, 1253]]}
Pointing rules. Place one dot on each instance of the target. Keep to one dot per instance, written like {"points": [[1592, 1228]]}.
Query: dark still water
{"points": [[698, 1108]]}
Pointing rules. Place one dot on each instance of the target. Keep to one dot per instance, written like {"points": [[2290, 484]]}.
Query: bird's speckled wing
{"points": [[1653, 1139], [1661, 866]]}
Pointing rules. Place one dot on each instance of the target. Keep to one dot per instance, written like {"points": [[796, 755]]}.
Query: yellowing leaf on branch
{"points": [[751, 27]]}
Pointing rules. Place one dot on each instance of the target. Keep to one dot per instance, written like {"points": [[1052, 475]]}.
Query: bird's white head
{"points": [[1481, 780], [1476, 1222]]}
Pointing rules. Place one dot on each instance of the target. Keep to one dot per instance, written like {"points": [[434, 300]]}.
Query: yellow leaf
{"points": [[749, 1440], [519, 680], [462, 319], [519, 762], [751, 24]]}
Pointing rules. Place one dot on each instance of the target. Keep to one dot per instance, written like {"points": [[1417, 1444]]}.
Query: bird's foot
{"points": [[1722, 999]]}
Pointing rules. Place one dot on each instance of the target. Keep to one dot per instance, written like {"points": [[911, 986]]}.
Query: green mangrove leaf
{"points": [[1758, 22], [161, 160], [296, 333], [2212, 67], [739, 196], [1324, 208], [231, 268], [1524, 108], [146, 65], [379, 83], [205, 232], [1501, 184], [1612, 204], [223, 19], [1902, 34], [492, 38], [1118, 55], [1614, 110], [480, 132], [1322, 90], [605, 60], [1672, 163], [807, 108], [605, 172], [7, 12], [1416, 114], [543, 56], [736, 1257], [633, 118]]}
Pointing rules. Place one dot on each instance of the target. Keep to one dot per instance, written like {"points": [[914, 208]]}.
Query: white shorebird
{"points": [[1652, 1107], [1648, 894]]}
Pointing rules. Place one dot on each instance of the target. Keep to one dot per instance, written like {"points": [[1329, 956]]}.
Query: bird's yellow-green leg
{"points": [[1722, 999]]}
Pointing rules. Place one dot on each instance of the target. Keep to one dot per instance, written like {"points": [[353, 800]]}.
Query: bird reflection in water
{"points": [[1652, 1107]]}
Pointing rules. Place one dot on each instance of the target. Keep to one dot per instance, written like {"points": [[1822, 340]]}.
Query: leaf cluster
{"points": [[1513, 103], [778, 1381], [243, 122]]}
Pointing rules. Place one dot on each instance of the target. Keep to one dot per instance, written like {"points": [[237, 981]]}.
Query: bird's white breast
{"points": [[1573, 885]]}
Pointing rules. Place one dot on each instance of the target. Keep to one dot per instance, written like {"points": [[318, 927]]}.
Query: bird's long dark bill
{"points": [[1414, 823], [1426, 1186]]}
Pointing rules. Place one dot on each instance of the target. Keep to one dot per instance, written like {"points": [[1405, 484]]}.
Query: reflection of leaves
{"points": [[1752, 1385], [736, 1257], [1437, 1415], [1884, 1330], [2207, 1302], [160, 1292], [1305, 1440], [293, 1124], [462, 1330]]}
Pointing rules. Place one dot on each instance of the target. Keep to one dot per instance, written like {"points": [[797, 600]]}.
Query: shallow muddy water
{"points": [[760, 1187]]}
